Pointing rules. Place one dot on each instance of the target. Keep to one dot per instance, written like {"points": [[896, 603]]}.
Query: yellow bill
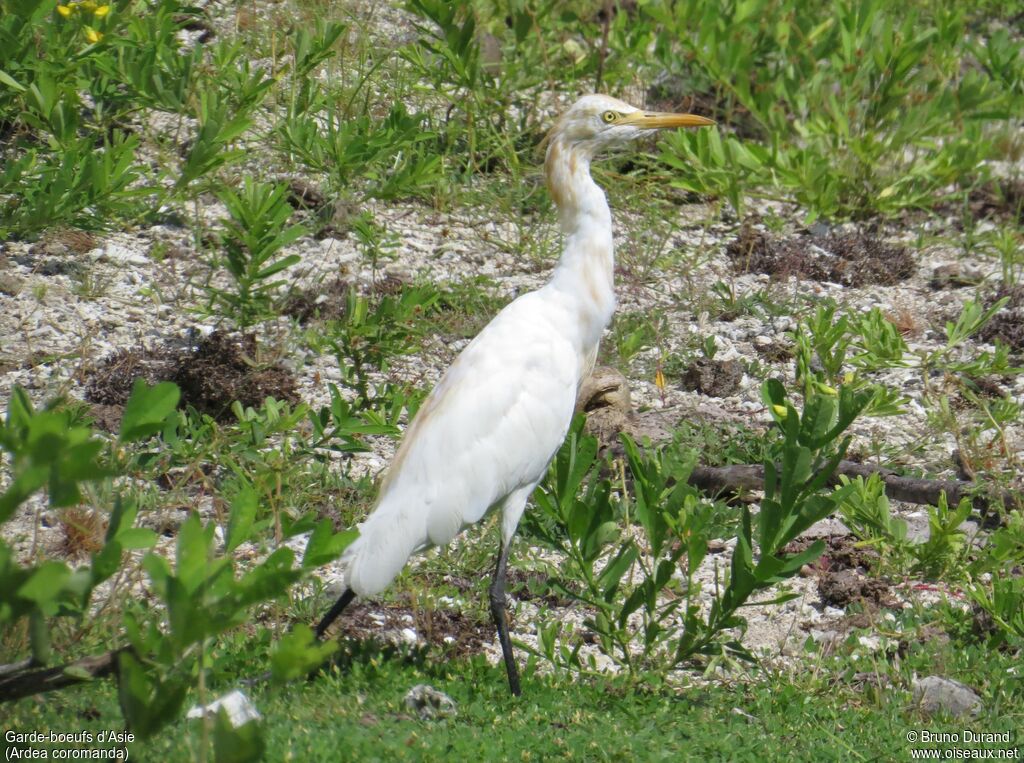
{"points": [[660, 120]]}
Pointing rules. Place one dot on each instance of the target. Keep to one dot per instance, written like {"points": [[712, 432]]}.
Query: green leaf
{"points": [[134, 538], [77, 672], [325, 545], [147, 409], [611, 575], [243, 514], [12, 83], [299, 652], [237, 745], [148, 702], [45, 584]]}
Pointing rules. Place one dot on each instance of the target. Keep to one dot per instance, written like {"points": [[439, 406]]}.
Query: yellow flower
{"points": [[92, 35], [781, 411], [65, 10], [102, 11], [659, 380]]}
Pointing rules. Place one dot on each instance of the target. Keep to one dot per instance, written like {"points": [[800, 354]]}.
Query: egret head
{"points": [[597, 122]]}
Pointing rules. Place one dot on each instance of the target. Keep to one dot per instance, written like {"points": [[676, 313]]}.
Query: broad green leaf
{"points": [[147, 409], [133, 538], [299, 652], [45, 583], [243, 514]]}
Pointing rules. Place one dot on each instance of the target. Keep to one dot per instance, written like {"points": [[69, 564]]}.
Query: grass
{"points": [[357, 712]]}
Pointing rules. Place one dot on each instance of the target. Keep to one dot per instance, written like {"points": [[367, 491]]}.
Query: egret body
{"points": [[484, 437]]}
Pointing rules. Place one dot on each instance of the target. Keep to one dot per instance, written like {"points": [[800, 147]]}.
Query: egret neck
{"points": [[585, 272]]}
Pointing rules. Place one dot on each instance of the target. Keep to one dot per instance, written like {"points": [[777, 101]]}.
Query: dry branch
{"points": [[908, 489], [25, 681]]}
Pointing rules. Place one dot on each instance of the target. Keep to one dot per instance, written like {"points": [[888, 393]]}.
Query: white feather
{"points": [[485, 435]]}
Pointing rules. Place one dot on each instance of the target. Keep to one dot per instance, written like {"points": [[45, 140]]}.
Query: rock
{"points": [[953, 275], [934, 694], [605, 397], [122, 255], [429, 703], [239, 707], [605, 388]]}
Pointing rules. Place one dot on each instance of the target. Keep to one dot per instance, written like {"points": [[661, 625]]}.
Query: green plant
{"points": [[650, 584], [72, 160], [45, 449], [376, 241], [81, 186], [847, 106], [219, 127], [256, 230], [866, 511], [160, 651], [634, 332], [391, 156], [373, 331]]}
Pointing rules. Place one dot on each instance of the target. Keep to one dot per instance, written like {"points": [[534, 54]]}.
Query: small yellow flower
{"points": [[65, 10], [781, 411], [101, 11], [659, 380], [92, 35]]}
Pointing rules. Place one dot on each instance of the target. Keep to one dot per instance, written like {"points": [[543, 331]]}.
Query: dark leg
{"points": [[500, 615], [339, 606]]}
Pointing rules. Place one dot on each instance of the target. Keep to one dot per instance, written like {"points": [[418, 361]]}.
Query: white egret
{"points": [[484, 437]]}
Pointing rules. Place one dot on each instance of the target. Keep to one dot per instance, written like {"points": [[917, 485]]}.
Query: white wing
{"points": [[490, 427]]}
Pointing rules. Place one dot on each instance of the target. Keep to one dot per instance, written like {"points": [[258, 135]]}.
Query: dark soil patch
{"points": [[841, 553], [1003, 198], [536, 586], [844, 587], [776, 352], [850, 259], [329, 302], [106, 417], [715, 378], [111, 382], [375, 621], [1008, 324], [305, 195], [212, 375], [222, 369]]}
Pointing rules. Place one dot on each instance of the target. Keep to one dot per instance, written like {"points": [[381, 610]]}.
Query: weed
{"points": [[850, 104], [256, 230]]}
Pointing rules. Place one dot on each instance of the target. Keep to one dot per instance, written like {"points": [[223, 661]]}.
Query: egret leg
{"points": [[339, 606], [500, 615]]}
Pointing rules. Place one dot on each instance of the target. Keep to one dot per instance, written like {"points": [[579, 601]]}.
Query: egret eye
{"points": [[609, 117]]}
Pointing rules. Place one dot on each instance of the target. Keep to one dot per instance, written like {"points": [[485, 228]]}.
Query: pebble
{"points": [[935, 694], [429, 703]]}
